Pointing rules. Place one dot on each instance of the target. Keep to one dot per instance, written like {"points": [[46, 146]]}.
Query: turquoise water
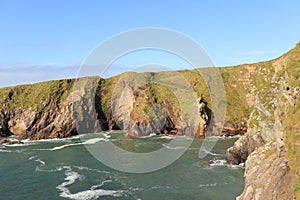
{"points": [[64, 169]]}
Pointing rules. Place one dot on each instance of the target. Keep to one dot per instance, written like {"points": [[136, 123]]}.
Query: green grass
{"points": [[34, 96]]}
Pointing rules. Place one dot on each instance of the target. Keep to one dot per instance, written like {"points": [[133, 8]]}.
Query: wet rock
{"points": [[10, 142]]}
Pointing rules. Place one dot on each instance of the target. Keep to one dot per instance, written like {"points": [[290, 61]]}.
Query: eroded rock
{"points": [[267, 175]]}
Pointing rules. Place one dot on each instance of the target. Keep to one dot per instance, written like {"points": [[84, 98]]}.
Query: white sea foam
{"points": [[211, 153], [88, 142], [175, 148], [221, 137], [18, 145], [149, 136], [42, 163], [166, 137], [95, 140], [184, 137], [91, 169], [208, 185], [160, 187], [64, 146], [106, 135], [101, 184], [5, 151], [218, 163], [31, 157], [241, 165], [92, 193]]}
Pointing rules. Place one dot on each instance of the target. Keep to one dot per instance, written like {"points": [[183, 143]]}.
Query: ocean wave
{"points": [[221, 137], [208, 185], [100, 185], [106, 135], [160, 187], [92, 193], [6, 151], [87, 142], [218, 162], [64, 146], [18, 145], [90, 169], [149, 136], [211, 153], [175, 148], [221, 162], [241, 165], [166, 137], [95, 140], [184, 137]]}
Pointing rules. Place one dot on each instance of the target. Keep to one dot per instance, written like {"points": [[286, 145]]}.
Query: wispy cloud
{"points": [[259, 52], [31, 73], [15, 74], [253, 56], [243, 58]]}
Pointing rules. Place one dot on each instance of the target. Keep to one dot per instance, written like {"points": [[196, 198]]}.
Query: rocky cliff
{"points": [[267, 174], [64, 108], [271, 170]]}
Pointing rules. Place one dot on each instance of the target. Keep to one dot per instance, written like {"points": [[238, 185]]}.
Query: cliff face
{"points": [[267, 174], [37, 111], [58, 109], [271, 171]]}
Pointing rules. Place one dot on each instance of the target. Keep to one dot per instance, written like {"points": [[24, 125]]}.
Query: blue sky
{"points": [[43, 40]]}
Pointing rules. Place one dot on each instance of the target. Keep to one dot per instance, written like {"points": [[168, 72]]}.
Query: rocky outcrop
{"points": [[54, 121], [4, 129], [142, 104], [262, 148], [267, 174], [246, 144]]}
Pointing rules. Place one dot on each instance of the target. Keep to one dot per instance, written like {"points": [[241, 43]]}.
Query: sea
{"points": [[66, 169]]}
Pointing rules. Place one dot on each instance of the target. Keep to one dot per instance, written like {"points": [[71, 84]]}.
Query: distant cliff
{"points": [[49, 109], [262, 102]]}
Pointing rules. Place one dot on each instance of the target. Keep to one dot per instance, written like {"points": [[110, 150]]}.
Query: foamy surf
{"points": [[218, 162], [149, 136], [87, 142], [174, 148], [211, 153], [208, 185], [92, 193]]}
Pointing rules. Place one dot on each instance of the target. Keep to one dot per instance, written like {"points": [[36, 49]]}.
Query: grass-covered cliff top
{"points": [[35, 96]]}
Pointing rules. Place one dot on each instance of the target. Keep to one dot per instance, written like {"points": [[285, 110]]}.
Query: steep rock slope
{"points": [[267, 175], [267, 146]]}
